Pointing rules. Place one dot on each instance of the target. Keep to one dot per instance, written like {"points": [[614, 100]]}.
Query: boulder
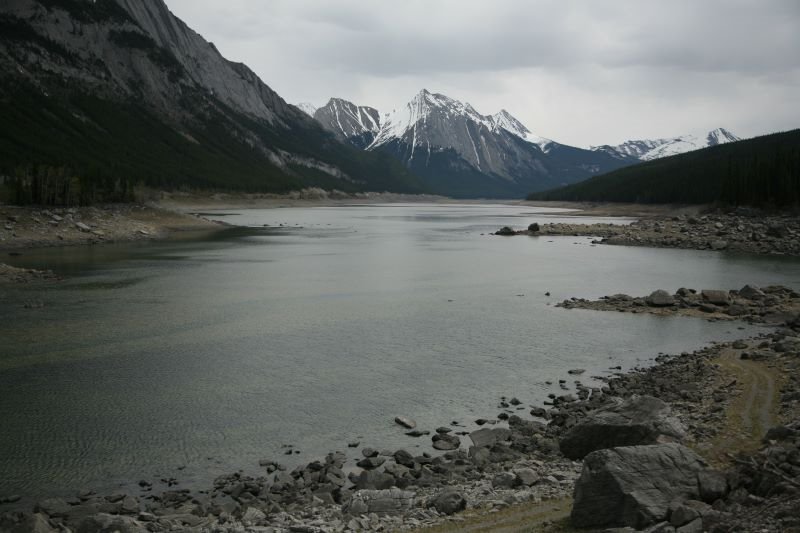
{"points": [[405, 422], [505, 230], [29, 523], [53, 507], [489, 437], [382, 502], [716, 297], [634, 485], [373, 480], [504, 480], [636, 421], [534, 228], [369, 452], [713, 485], [371, 462], [751, 293], [106, 523], [446, 442], [402, 457], [253, 516], [448, 502], [660, 298], [527, 477]]}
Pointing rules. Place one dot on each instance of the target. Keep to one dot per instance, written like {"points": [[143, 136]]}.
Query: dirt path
{"points": [[752, 412], [547, 516]]}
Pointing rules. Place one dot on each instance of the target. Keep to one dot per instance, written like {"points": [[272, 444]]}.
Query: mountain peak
{"points": [[351, 123], [720, 136], [307, 107]]}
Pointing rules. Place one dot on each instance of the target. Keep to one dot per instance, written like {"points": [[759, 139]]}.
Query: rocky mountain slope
{"points": [[460, 152], [647, 150], [357, 125], [121, 91]]}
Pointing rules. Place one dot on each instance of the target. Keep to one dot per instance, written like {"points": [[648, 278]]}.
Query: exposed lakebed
{"points": [[214, 353]]}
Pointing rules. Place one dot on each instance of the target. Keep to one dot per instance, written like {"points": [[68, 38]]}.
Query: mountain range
{"points": [[104, 95], [647, 150], [122, 92], [459, 152]]}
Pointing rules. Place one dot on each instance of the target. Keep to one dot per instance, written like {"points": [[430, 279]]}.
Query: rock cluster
{"points": [[742, 230], [9, 274], [774, 304], [635, 421], [396, 491]]}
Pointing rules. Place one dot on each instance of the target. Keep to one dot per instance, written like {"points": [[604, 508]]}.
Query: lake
{"points": [[312, 328]]}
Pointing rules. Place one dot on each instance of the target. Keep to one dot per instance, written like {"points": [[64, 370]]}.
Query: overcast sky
{"points": [[579, 72]]}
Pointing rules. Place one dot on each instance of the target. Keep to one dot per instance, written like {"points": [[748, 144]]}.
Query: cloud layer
{"points": [[580, 72]]}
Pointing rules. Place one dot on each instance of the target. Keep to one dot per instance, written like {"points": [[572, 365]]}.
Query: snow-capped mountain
{"points": [[307, 107], [460, 152], [504, 120], [357, 125], [647, 150]]}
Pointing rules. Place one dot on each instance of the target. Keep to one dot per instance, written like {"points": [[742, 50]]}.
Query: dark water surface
{"points": [[212, 353]]}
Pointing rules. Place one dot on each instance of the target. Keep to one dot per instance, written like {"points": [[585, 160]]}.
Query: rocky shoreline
{"points": [[516, 461], [29, 227], [743, 230]]}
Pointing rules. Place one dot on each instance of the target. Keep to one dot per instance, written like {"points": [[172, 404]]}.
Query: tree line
{"points": [[763, 171]]}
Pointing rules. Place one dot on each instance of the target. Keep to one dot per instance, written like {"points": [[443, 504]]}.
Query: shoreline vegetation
{"points": [[732, 406]]}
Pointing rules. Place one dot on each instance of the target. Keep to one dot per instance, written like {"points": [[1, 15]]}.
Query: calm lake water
{"points": [[201, 356]]}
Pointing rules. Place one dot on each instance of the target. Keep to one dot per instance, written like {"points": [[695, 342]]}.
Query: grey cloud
{"points": [[651, 61]]}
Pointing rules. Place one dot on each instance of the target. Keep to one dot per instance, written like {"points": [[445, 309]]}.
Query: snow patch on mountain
{"points": [[649, 149], [504, 120], [415, 114], [307, 107]]}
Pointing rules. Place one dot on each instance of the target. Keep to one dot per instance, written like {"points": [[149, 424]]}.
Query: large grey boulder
{"points": [[448, 502], [489, 437], [373, 480], [634, 485], [660, 298], [446, 442], [106, 523], [752, 293], [716, 297], [636, 421], [383, 502]]}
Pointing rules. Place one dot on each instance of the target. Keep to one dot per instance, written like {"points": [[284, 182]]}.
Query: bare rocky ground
{"points": [[742, 230], [10, 274], [26, 227]]}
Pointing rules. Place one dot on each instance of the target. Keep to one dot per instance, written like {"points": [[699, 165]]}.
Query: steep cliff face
{"points": [[146, 68], [233, 83]]}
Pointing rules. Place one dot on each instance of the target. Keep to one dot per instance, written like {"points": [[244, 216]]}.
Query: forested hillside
{"points": [[763, 171]]}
